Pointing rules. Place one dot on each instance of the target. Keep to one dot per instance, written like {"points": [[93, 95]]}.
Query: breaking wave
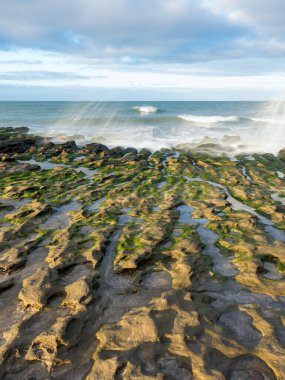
{"points": [[146, 109], [208, 119]]}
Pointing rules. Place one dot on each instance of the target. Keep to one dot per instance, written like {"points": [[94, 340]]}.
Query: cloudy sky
{"points": [[142, 49]]}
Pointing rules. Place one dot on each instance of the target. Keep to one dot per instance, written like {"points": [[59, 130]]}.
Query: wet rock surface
{"points": [[119, 264]]}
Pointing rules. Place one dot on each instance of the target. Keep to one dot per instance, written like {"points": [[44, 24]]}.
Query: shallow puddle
{"points": [[232, 293], [272, 272], [161, 185], [244, 172], [95, 206], [221, 265], [185, 216], [125, 218], [277, 198], [44, 165], [60, 219]]}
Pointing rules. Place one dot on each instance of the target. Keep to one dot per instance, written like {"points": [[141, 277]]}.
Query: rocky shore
{"points": [[119, 264]]}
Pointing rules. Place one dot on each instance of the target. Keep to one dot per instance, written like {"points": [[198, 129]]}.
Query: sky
{"points": [[142, 49]]}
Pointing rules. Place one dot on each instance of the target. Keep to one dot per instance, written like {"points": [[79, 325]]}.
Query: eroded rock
{"points": [[38, 288]]}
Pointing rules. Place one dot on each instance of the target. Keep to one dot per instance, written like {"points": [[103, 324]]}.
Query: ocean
{"points": [[234, 126]]}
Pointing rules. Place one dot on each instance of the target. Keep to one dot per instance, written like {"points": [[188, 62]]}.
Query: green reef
{"points": [[124, 264]]}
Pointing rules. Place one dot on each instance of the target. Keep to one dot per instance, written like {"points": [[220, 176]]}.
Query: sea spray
{"points": [[271, 136]]}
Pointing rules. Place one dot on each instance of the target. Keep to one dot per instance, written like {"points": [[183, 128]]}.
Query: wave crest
{"points": [[146, 109], [208, 119]]}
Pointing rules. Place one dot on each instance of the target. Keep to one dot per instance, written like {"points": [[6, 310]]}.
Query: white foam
{"points": [[207, 119], [145, 109]]}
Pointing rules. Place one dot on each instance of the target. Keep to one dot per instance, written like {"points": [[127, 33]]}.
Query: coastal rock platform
{"points": [[125, 264]]}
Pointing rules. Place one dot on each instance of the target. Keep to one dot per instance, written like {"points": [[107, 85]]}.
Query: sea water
{"points": [[235, 126]]}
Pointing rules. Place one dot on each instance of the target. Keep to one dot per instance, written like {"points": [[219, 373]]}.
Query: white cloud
{"points": [[155, 30], [262, 15], [65, 72], [168, 45]]}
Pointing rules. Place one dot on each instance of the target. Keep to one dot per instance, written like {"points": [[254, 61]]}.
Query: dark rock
{"points": [[69, 147], [93, 148], [46, 147], [130, 151], [145, 153], [16, 140], [17, 145], [10, 132], [116, 152]]}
